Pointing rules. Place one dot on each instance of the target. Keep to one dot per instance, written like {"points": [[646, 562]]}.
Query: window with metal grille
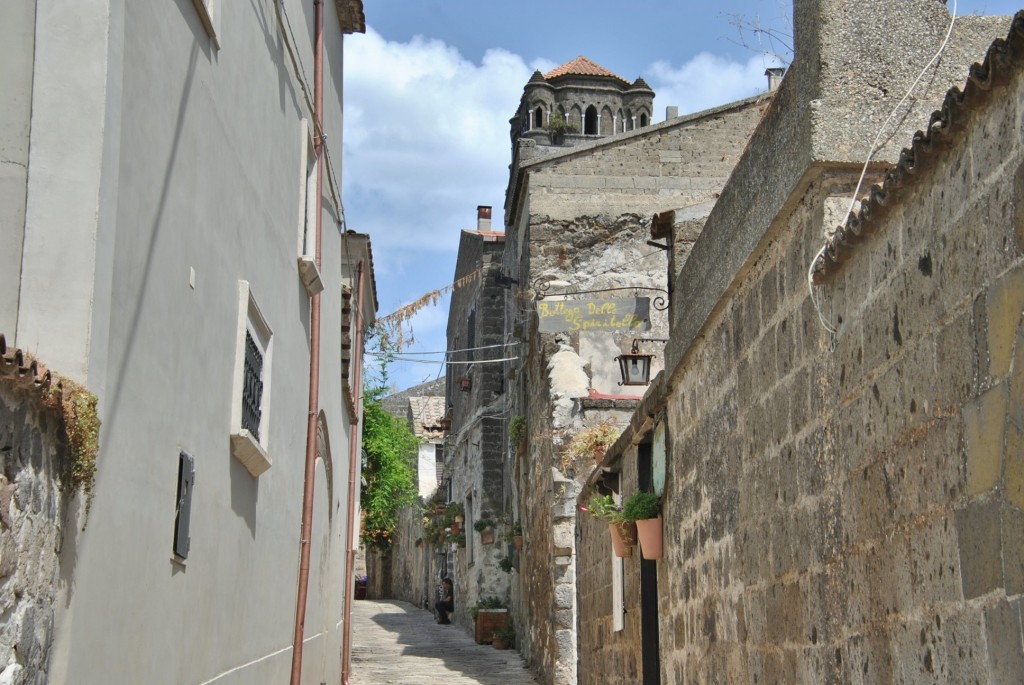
{"points": [[252, 386]]}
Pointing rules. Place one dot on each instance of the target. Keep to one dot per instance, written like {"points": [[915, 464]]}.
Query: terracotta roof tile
{"points": [[1003, 60], [581, 66]]}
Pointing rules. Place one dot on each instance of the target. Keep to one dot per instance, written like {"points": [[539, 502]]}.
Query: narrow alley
{"points": [[394, 642]]}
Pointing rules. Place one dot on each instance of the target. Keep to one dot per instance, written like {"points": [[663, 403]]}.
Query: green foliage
{"points": [[516, 429], [388, 446], [641, 506], [603, 508], [558, 126], [507, 632], [600, 436], [81, 425], [483, 524], [487, 603], [505, 564], [513, 529]]}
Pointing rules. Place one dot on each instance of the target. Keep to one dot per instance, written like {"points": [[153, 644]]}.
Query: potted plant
{"points": [[593, 441], [514, 534], [644, 508], [505, 636], [486, 529], [505, 564], [623, 532], [489, 615]]}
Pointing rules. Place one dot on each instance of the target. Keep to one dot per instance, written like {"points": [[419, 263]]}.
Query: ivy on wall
{"points": [[388, 447]]}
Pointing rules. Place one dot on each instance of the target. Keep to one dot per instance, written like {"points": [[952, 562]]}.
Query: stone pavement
{"points": [[394, 643]]}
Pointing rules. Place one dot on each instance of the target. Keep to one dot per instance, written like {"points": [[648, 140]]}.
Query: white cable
{"points": [[437, 361], [465, 349], [871, 153]]}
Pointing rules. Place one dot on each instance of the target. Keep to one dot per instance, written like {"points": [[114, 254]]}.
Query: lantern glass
{"points": [[635, 369]]}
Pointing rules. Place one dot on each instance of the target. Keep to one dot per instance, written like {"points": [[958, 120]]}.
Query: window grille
{"points": [[252, 387]]}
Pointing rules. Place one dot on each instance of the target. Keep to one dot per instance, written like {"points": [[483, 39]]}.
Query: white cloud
{"points": [[426, 138], [707, 81]]}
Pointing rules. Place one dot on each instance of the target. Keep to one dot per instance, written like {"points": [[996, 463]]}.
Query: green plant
{"points": [[641, 506], [390, 486], [452, 510], [505, 564], [516, 429], [600, 436], [486, 603], [558, 126], [507, 632], [603, 508], [81, 426], [483, 524], [512, 530]]}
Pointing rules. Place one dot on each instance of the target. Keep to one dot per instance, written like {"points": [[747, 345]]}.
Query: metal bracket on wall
{"points": [[543, 284]]}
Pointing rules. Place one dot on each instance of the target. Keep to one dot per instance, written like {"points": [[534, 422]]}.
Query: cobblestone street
{"points": [[393, 642]]}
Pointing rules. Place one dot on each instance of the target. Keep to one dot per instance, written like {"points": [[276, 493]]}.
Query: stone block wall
{"points": [[33, 532], [847, 507]]}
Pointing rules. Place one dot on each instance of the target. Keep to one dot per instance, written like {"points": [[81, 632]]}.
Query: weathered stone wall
{"points": [[583, 218], [32, 534], [849, 507]]}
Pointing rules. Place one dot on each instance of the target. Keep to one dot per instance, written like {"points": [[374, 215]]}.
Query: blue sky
{"points": [[430, 87]]}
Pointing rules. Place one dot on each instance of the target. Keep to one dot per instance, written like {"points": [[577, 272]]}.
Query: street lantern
{"points": [[635, 367]]}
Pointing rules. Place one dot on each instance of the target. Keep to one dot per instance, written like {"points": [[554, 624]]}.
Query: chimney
{"points": [[483, 218], [671, 112], [774, 75]]}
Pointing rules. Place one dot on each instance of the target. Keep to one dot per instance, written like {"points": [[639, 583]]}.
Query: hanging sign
{"points": [[630, 314]]}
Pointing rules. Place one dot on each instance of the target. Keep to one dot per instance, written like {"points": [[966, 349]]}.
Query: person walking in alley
{"points": [[445, 603]]}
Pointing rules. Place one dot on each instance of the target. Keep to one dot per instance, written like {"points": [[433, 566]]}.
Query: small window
{"points": [[251, 394], [183, 505], [643, 119], [590, 121], [538, 118]]}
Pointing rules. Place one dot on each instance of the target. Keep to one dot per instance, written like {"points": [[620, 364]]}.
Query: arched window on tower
{"points": [[590, 121], [538, 117], [643, 119], [627, 123]]}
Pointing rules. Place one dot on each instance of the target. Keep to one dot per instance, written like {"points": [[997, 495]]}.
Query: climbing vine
{"points": [[388, 447]]}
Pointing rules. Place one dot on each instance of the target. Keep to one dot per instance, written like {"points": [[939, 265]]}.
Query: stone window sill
{"points": [[245, 449]]}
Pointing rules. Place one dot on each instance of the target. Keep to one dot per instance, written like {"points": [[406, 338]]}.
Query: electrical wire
{"points": [[395, 358], [816, 301], [465, 349]]}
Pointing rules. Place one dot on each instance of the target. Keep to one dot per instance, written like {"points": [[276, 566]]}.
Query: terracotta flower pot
{"points": [[500, 642], [623, 538], [487, 536], [650, 533]]}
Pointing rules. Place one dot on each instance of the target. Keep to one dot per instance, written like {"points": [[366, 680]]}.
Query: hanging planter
{"points": [[623, 532], [643, 508], [623, 538], [650, 533]]}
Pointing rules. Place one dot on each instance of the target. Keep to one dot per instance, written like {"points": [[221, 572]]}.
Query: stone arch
{"points": [[538, 116], [590, 121], [607, 121], [575, 116], [323, 453], [644, 119], [620, 121], [627, 123]]}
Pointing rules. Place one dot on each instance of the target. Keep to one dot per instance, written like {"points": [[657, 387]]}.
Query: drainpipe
{"points": [[306, 531], [353, 470]]}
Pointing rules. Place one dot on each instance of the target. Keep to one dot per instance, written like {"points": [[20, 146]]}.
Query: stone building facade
{"points": [[475, 464], [577, 223], [585, 95], [174, 246], [35, 507], [840, 475]]}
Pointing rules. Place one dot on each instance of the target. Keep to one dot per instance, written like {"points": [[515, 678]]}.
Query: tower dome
{"points": [[578, 101]]}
